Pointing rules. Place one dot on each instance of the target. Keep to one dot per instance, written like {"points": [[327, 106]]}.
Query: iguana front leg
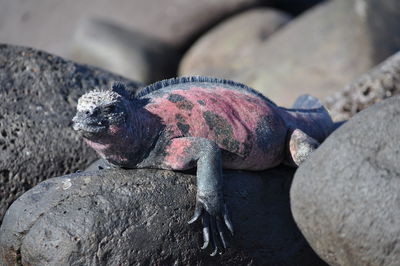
{"points": [[186, 153]]}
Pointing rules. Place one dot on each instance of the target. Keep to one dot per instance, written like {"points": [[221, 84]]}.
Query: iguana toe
{"points": [[206, 231], [227, 220], [219, 224], [197, 213], [215, 251]]}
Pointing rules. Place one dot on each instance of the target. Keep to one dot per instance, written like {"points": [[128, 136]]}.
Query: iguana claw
{"points": [[213, 227], [197, 213], [227, 220]]}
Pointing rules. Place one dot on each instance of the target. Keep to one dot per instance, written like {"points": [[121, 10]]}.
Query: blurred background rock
{"points": [[326, 45], [140, 39]]}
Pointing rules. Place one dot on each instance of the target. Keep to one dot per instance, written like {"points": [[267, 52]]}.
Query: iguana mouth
{"points": [[89, 131], [87, 128], [91, 128]]}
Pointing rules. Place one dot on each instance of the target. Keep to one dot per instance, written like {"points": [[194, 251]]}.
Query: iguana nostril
{"points": [[92, 112]]}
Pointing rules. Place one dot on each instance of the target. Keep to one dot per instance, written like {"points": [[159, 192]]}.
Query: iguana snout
{"points": [[88, 124]]}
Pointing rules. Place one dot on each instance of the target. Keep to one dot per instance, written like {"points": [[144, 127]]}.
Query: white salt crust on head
{"points": [[93, 99]]}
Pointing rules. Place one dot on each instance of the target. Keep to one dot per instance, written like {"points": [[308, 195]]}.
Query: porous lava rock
{"points": [[38, 97], [378, 84]]}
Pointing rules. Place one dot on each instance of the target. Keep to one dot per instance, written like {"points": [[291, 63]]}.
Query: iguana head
{"points": [[101, 113]]}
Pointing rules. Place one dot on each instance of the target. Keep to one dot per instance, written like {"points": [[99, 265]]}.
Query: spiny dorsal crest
{"points": [[120, 88], [97, 98]]}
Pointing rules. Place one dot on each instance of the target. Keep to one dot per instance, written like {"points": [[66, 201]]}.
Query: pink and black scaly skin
{"points": [[203, 123]]}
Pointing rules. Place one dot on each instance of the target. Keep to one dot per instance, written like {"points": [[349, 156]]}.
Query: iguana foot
{"points": [[301, 146], [213, 226]]}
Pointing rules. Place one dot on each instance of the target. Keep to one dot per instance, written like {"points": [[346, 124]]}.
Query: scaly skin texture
{"points": [[203, 123]]}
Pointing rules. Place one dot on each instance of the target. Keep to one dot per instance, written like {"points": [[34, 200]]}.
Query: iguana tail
{"points": [[309, 115], [307, 101]]}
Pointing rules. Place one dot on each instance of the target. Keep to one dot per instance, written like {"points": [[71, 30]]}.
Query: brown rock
{"points": [[320, 51], [50, 24], [129, 53], [221, 50]]}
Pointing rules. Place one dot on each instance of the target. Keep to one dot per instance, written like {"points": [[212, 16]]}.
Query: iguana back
{"points": [[250, 129]]}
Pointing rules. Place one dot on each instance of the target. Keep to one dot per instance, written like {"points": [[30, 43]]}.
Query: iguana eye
{"points": [[109, 109]]}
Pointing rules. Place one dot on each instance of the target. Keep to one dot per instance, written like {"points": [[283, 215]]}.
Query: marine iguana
{"points": [[204, 123]]}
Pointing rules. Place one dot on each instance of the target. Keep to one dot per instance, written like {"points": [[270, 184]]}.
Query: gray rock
{"points": [[220, 51], [139, 217], [345, 198], [378, 84], [50, 24], [383, 20], [320, 51], [131, 54], [38, 97]]}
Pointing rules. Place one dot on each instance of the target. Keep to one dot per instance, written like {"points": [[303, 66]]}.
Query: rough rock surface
{"points": [[38, 97], [131, 54], [346, 197], [318, 52], [172, 21], [139, 217], [221, 50], [378, 84]]}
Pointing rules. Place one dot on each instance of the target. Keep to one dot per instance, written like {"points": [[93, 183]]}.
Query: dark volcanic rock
{"points": [[346, 197], [139, 217], [38, 96], [380, 83]]}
